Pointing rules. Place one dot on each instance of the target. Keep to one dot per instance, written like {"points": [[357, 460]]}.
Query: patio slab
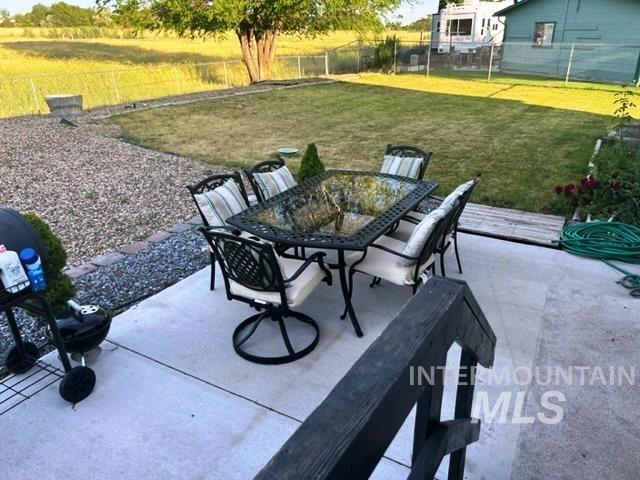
{"points": [[175, 360]]}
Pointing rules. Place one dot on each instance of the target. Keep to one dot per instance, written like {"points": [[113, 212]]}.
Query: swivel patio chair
{"points": [[402, 263], [254, 274], [406, 161], [217, 200], [269, 178], [455, 201]]}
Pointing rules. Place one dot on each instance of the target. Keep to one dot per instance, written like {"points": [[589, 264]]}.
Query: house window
{"points": [[543, 33], [495, 26], [438, 27], [462, 26]]}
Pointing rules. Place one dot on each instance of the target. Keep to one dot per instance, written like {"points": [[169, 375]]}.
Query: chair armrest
{"points": [[393, 252], [234, 230], [316, 257]]}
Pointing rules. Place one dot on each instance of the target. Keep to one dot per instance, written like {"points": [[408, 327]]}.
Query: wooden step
{"points": [[514, 225]]}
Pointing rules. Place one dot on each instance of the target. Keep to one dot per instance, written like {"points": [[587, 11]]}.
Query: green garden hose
{"points": [[607, 241]]}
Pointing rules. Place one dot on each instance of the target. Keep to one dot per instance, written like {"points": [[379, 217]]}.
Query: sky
{"points": [[409, 12]]}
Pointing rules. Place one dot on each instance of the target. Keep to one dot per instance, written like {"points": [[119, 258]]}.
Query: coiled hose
{"points": [[607, 241]]}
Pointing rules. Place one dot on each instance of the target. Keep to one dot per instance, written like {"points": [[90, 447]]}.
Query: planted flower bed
{"points": [[612, 191]]}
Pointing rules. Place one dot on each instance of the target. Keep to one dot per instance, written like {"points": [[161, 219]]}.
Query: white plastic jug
{"points": [[12, 274]]}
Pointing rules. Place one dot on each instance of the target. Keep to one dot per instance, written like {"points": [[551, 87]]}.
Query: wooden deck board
{"points": [[513, 225]]}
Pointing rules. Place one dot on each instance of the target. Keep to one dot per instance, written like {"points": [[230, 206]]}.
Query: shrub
{"points": [[613, 190], [384, 55], [310, 165], [60, 288]]}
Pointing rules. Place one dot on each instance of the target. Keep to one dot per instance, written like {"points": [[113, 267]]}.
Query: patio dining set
{"points": [[273, 252]]}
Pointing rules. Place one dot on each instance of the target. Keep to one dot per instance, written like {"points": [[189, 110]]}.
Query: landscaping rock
{"points": [[107, 259], [95, 192], [133, 248], [80, 270], [159, 236]]}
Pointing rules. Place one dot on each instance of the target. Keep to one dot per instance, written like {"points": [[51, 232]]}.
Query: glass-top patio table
{"points": [[337, 210]]}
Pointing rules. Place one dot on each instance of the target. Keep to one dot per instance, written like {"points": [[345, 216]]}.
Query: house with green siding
{"points": [[579, 39]]}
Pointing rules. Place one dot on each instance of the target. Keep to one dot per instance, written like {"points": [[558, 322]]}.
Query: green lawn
{"points": [[523, 139]]}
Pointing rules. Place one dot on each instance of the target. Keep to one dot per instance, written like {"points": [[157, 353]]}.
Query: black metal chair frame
{"points": [[451, 228], [253, 264], [206, 185], [262, 167], [428, 249], [409, 151]]}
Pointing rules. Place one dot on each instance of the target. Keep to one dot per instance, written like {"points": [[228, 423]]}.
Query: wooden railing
{"points": [[347, 435]]}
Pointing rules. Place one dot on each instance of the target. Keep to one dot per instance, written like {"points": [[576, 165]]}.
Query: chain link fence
{"points": [[578, 62], [25, 95]]}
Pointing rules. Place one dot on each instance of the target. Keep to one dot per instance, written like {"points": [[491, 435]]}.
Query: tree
{"points": [[422, 25], [443, 3], [310, 165], [64, 15], [259, 23]]}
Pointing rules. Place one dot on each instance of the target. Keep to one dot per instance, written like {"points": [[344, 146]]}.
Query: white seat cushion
{"points": [[457, 193], [273, 183], [297, 291], [404, 230], [379, 263], [419, 236], [401, 166], [221, 203]]}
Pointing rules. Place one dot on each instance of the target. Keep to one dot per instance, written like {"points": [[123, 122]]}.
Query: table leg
{"points": [[342, 269]]}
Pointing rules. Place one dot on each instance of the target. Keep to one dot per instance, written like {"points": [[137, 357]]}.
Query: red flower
{"points": [[570, 187], [559, 189]]}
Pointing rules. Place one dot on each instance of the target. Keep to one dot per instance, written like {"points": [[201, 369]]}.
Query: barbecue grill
{"points": [[76, 383]]}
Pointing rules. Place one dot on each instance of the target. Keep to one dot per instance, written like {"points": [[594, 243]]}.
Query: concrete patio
{"points": [[173, 400]]}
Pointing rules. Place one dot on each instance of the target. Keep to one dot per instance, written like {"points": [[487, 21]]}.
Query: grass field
{"points": [[524, 139], [113, 70]]}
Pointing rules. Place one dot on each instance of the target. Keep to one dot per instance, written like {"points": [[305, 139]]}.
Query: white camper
{"points": [[467, 26]]}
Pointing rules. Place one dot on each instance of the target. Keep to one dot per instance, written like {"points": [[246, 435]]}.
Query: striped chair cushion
{"points": [[221, 203], [413, 247], [273, 183], [401, 166]]}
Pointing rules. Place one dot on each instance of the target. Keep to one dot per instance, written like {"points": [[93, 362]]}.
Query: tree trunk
{"points": [[258, 52]]}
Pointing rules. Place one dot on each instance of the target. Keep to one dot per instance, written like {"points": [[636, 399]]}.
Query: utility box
{"points": [[66, 106]]}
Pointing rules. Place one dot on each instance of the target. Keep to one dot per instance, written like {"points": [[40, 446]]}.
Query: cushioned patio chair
{"points": [[217, 198], [402, 263], [254, 274], [405, 161], [270, 178], [456, 201]]}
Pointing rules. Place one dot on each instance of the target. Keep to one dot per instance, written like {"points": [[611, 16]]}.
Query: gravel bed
{"points": [[118, 286], [97, 193]]}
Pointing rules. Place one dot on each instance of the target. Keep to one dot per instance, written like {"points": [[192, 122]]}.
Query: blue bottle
{"points": [[34, 269]]}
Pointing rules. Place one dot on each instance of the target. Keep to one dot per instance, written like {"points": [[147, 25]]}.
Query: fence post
{"points": [[35, 94], [299, 68], [175, 79], [115, 87], [490, 63], [429, 60], [566, 80], [226, 74], [326, 62], [358, 60], [395, 56]]}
